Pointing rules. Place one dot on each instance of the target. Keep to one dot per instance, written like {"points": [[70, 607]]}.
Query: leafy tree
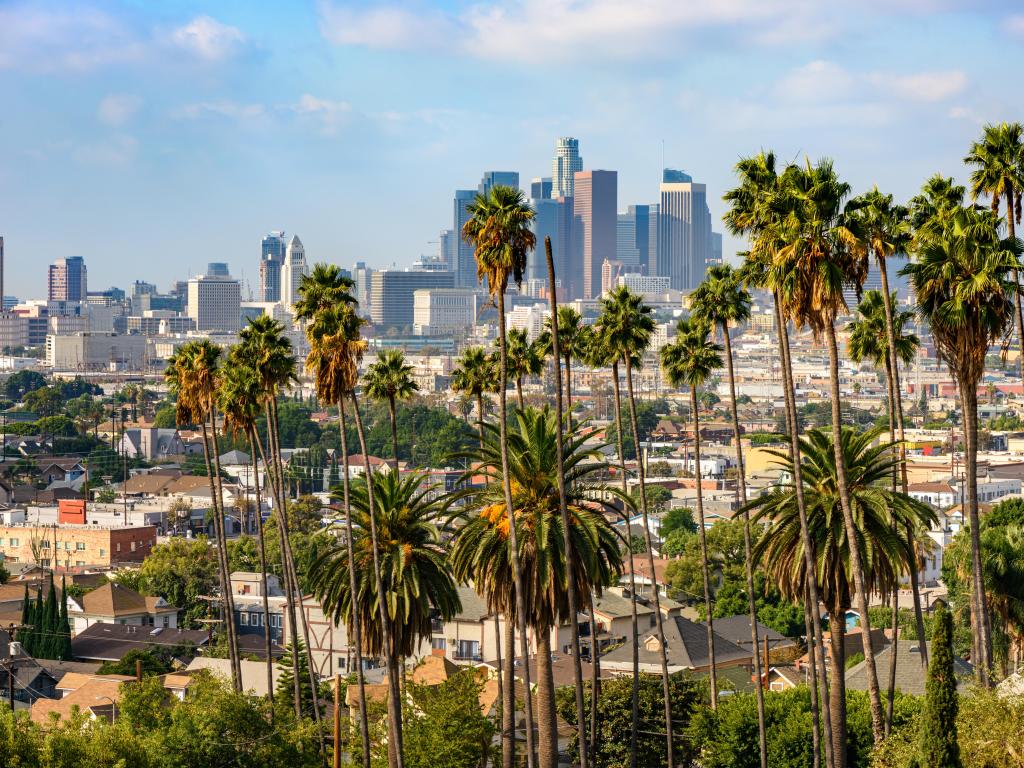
{"points": [[164, 416], [180, 571], [285, 688], [57, 425], [152, 664], [46, 401], [77, 387], [443, 725], [21, 383], [106, 495], [675, 519]]}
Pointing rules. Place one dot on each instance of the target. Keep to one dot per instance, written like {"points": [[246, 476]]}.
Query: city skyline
{"points": [[157, 126]]}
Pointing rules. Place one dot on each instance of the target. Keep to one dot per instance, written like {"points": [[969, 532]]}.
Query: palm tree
{"points": [[689, 361], [823, 254], [484, 552], [722, 300], [880, 514], [239, 398], [933, 207], [964, 282], [524, 359], [325, 288], [401, 573], [572, 340], [998, 160], [193, 374], [628, 326], [475, 375], [754, 212], [389, 379], [499, 230]]}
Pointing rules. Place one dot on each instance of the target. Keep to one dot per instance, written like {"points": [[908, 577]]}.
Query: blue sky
{"points": [[152, 138]]}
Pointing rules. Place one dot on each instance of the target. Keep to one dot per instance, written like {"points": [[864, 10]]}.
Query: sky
{"points": [[152, 138]]}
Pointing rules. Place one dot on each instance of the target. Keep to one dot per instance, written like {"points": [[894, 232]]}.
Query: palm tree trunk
{"points": [[595, 684], [519, 392], [221, 516], [810, 617], [816, 641], [396, 759], [355, 627], [547, 740], [263, 567], [480, 417], [669, 746], [513, 537], [508, 704], [393, 413], [969, 398], [702, 535], [741, 488], [856, 565], [898, 409], [570, 554], [635, 692], [568, 385], [837, 657], [890, 694]]}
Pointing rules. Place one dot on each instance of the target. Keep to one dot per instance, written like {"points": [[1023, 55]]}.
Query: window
{"points": [[438, 643], [342, 661], [14, 542], [79, 563], [45, 562], [103, 553], [167, 621], [80, 546], [45, 544], [118, 546], [133, 546], [243, 619]]}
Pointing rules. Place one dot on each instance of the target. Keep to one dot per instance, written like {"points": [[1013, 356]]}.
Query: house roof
{"points": [[736, 629], [254, 673], [111, 642], [113, 599], [616, 606], [687, 645], [911, 674], [90, 696], [235, 457]]}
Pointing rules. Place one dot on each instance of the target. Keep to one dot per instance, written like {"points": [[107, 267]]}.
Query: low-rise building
{"points": [[75, 545], [114, 603]]}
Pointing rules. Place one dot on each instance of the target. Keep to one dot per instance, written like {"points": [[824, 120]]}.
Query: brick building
{"points": [[71, 546]]}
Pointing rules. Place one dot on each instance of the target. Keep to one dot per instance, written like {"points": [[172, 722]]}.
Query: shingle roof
{"points": [[911, 675], [111, 642], [113, 599], [736, 629], [687, 645]]}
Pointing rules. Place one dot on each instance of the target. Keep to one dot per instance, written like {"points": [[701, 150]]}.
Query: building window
{"points": [[438, 643], [342, 661], [103, 553], [45, 544], [133, 546], [167, 621], [14, 542], [80, 546], [243, 619], [79, 563], [118, 546]]}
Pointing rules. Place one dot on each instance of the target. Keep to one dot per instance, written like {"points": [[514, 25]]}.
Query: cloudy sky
{"points": [[152, 138]]}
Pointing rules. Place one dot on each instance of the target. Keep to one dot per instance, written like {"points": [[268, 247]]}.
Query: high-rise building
{"points": [[566, 164], [540, 188], [626, 251], [716, 249], [672, 176], [2, 307], [393, 291], [362, 275], [218, 269], [443, 310], [214, 302], [446, 248], [684, 232], [553, 218], [272, 253], [595, 218], [67, 280], [292, 271], [464, 265], [645, 218], [498, 178]]}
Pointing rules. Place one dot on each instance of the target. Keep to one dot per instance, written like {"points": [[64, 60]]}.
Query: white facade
{"points": [[564, 167], [292, 270], [95, 352], [528, 318], [13, 330], [443, 310], [214, 303], [656, 285]]}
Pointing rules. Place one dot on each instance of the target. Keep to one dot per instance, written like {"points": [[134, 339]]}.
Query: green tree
{"points": [[444, 727], [525, 358], [45, 401], [182, 571], [939, 747], [475, 374], [389, 379], [21, 383], [675, 518], [284, 690], [152, 664]]}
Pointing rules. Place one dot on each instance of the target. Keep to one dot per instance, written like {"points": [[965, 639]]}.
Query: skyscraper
{"points": [[392, 293], [292, 271], [626, 251], [214, 302], [218, 269], [446, 248], [495, 178], [566, 164], [464, 267], [67, 280], [646, 227], [540, 188], [595, 217], [553, 219], [684, 232], [272, 252]]}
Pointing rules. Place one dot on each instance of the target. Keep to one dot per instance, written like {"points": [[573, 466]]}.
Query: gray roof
{"points": [[687, 644], [235, 457], [617, 606], [736, 629], [910, 673], [473, 606], [110, 642]]}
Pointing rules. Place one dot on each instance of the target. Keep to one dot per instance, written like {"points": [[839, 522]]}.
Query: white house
{"points": [[116, 604]]}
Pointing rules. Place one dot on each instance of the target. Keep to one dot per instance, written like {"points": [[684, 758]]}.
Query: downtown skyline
{"points": [[131, 139]]}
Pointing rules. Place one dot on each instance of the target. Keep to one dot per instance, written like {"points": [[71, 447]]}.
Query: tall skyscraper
{"points": [[595, 218], [464, 267], [716, 249], [292, 271], [498, 178], [684, 232], [214, 302], [218, 269], [67, 280], [2, 307], [566, 164], [363, 277], [272, 253], [446, 248], [645, 219], [672, 176], [392, 293], [626, 251], [540, 188], [553, 219]]}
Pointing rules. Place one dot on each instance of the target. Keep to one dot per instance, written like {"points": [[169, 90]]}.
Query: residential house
{"points": [[151, 443], [111, 642], [686, 645], [736, 629], [116, 604], [911, 674]]}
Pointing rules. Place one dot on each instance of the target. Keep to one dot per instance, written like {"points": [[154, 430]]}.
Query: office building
{"points": [[716, 249], [626, 251], [67, 280], [610, 272], [292, 271], [540, 188], [493, 179], [440, 311], [362, 276], [272, 253], [95, 352], [645, 285], [392, 293], [645, 230], [218, 269], [595, 218], [214, 303], [565, 166], [464, 267], [684, 232], [529, 318], [13, 330], [3, 305], [672, 176], [553, 219], [446, 248]]}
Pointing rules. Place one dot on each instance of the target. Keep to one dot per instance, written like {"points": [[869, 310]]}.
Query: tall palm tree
{"points": [[880, 513], [524, 359], [823, 255], [476, 374], [415, 581], [572, 338], [689, 362], [965, 286], [483, 551], [998, 160], [499, 230], [389, 379], [754, 212], [193, 374], [628, 326], [723, 301], [239, 397]]}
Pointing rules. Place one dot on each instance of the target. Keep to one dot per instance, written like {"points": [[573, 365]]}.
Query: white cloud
{"points": [[226, 109], [817, 81], [118, 108], [826, 82], [331, 115], [1014, 24], [208, 39], [923, 86]]}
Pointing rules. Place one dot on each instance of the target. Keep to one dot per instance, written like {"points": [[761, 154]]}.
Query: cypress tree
{"points": [[64, 624], [49, 644], [26, 619], [36, 620], [939, 747]]}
